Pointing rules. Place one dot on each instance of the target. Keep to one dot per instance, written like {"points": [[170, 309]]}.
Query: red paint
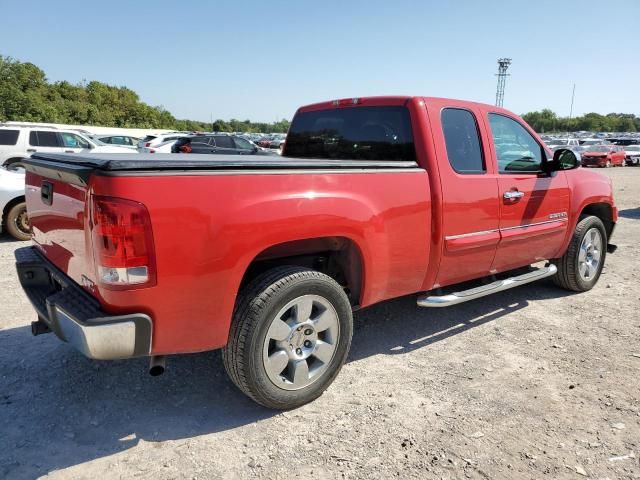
{"points": [[410, 227]]}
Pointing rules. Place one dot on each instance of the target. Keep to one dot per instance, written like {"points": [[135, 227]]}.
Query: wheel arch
{"points": [[339, 257], [602, 210], [12, 160]]}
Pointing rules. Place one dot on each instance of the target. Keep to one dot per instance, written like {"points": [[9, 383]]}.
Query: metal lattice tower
{"points": [[503, 65]]}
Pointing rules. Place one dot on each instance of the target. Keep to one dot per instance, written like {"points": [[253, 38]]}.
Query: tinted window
{"points": [[356, 133], [224, 142], [463, 144], [116, 140], [43, 139], [516, 149], [243, 144], [8, 137]]}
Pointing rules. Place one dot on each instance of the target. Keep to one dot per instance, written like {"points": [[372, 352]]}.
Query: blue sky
{"points": [[260, 60]]}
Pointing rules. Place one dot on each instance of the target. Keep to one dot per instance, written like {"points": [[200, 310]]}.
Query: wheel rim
{"points": [[22, 222], [590, 254], [301, 342]]}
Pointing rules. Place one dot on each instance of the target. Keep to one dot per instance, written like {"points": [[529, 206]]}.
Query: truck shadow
{"points": [[59, 409], [633, 213]]}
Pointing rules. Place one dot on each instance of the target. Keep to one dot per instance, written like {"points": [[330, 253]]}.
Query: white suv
{"points": [[19, 142], [150, 142]]}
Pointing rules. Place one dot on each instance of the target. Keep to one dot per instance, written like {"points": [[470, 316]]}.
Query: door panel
{"points": [[534, 206], [532, 227], [470, 219]]}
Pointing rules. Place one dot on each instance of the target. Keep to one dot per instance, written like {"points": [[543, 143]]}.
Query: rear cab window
{"points": [[8, 137], [352, 133], [462, 140]]}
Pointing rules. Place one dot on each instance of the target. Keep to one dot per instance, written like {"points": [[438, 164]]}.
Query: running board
{"points": [[495, 287]]}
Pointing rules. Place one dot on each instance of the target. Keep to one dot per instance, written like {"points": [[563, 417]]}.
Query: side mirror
{"points": [[564, 159]]}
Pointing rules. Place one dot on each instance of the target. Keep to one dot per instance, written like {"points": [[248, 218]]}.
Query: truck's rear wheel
{"points": [[580, 267], [290, 336], [17, 222]]}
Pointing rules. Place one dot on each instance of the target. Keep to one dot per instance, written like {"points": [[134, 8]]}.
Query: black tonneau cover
{"points": [[77, 168]]}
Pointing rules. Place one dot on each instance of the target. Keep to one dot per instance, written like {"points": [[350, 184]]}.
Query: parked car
{"points": [[563, 143], [632, 155], [368, 202], [12, 205], [120, 140], [164, 147], [152, 141], [18, 143], [216, 144], [603, 156]]}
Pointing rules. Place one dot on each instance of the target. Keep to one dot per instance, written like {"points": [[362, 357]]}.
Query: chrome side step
{"points": [[495, 287]]}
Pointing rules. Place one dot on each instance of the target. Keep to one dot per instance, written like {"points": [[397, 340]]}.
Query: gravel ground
{"points": [[528, 383]]}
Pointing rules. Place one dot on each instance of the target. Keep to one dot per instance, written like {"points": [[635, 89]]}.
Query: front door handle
{"points": [[69, 151], [513, 195]]}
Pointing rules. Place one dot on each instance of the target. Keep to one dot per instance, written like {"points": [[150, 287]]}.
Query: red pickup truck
{"points": [[267, 257]]}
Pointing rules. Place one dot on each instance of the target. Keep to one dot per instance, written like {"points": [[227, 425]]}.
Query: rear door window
{"points": [[40, 138], [462, 141], [201, 141], [223, 141], [8, 137], [352, 133]]}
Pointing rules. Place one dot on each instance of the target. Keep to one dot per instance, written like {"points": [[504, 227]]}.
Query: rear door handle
{"points": [[31, 150], [69, 151], [513, 195]]}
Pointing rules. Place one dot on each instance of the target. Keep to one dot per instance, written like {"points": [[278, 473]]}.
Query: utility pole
{"points": [[573, 94], [503, 65]]}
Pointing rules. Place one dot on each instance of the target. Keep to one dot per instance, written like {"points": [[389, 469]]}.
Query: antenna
{"points": [[503, 65], [573, 95]]}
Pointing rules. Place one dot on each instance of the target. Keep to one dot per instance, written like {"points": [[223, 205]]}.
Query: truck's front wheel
{"points": [[290, 336], [580, 267]]}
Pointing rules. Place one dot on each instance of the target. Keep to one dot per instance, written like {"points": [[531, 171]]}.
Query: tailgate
{"points": [[57, 206]]}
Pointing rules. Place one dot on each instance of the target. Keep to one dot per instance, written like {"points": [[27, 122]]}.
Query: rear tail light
{"points": [[152, 151], [148, 144], [122, 243]]}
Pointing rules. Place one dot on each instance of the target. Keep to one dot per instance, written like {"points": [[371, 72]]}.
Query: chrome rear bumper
{"points": [[75, 316]]}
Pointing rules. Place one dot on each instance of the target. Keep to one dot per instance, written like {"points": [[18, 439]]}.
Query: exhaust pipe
{"points": [[157, 365], [39, 328]]}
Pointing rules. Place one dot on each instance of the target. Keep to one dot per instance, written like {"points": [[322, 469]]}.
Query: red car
{"points": [[604, 156], [267, 258]]}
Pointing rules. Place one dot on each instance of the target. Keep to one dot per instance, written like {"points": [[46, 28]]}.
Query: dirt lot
{"points": [[529, 383]]}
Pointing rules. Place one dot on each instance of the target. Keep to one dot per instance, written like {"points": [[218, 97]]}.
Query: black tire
{"points": [[256, 307], [17, 222], [568, 276]]}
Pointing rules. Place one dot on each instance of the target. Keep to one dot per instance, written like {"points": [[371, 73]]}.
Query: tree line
{"points": [[548, 121], [26, 95]]}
